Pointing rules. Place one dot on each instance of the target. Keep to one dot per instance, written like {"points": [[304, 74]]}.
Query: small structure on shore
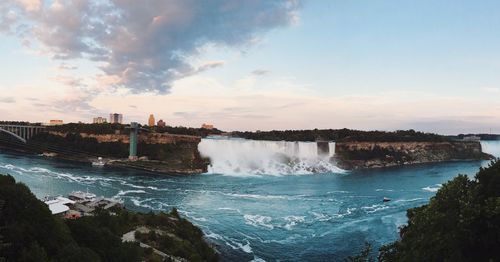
{"points": [[58, 205], [99, 162], [80, 204]]}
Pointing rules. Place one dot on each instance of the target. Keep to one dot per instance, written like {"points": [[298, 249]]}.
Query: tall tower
{"points": [[151, 121], [134, 128]]}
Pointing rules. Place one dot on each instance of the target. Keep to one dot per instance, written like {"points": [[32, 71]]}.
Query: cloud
{"points": [[491, 89], [7, 100], [69, 81], [209, 65], [260, 72], [64, 66], [143, 45]]}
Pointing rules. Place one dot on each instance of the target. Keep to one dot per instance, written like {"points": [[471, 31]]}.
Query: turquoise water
{"points": [[313, 217]]}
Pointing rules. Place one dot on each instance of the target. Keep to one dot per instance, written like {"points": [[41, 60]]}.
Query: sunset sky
{"points": [[250, 64]]}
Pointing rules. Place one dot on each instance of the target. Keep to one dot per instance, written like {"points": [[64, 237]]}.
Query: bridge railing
{"points": [[21, 132]]}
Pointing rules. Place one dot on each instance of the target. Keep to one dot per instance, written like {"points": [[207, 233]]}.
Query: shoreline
{"points": [[113, 163]]}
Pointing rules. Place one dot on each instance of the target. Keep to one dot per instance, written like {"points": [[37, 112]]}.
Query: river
{"points": [[256, 204]]}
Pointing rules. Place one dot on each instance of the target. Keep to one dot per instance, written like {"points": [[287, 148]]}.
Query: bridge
{"points": [[21, 132]]}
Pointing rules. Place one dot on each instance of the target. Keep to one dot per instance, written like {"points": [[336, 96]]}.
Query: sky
{"points": [[255, 64]]}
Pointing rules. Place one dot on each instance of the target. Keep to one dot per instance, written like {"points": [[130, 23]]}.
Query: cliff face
{"points": [[355, 155], [166, 153]]}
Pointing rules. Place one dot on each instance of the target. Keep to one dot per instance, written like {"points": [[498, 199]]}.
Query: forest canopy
{"points": [[342, 135]]}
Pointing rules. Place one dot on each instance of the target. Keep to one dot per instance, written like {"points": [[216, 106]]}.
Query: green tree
{"points": [[460, 223]]}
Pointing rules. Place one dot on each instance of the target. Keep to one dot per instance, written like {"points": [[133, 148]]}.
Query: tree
{"points": [[460, 223]]}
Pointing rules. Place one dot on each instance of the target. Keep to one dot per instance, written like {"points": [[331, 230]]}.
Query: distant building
{"points": [[161, 123], [472, 138], [99, 120], [115, 118], [55, 122], [207, 126], [151, 120]]}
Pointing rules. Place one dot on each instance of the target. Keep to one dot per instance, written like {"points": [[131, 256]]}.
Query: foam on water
{"points": [[242, 157], [292, 221], [374, 208], [122, 192], [258, 221], [433, 188]]}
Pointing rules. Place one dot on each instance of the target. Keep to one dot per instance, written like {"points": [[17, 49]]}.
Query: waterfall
{"points": [[232, 156], [491, 147]]}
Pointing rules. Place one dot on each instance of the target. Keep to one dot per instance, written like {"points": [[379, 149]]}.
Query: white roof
{"points": [[58, 205], [58, 208], [59, 199]]}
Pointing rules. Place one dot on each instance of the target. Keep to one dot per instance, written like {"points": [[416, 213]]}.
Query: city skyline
{"points": [[428, 66]]}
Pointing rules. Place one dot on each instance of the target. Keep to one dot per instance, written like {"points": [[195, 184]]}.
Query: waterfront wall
{"points": [[355, 155]]}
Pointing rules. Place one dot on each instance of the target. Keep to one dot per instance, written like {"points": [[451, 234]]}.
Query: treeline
{"points": [[29, 232], [107, 128], [100, 129], [180, 130], [341, 135], [23, 123]]}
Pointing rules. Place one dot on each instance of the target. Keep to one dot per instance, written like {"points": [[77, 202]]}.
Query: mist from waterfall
{"points": [[242, 157]]}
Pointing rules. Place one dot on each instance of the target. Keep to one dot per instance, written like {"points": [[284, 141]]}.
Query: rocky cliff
{"points": [[158, 152], [355, 155]]}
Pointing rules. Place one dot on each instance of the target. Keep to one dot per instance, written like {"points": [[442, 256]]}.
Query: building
{"points": [[99, 120], [115, 118], [151, 120], [471, 138], [55, 122], [207, 126], [161, 123], [58, 205]]}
